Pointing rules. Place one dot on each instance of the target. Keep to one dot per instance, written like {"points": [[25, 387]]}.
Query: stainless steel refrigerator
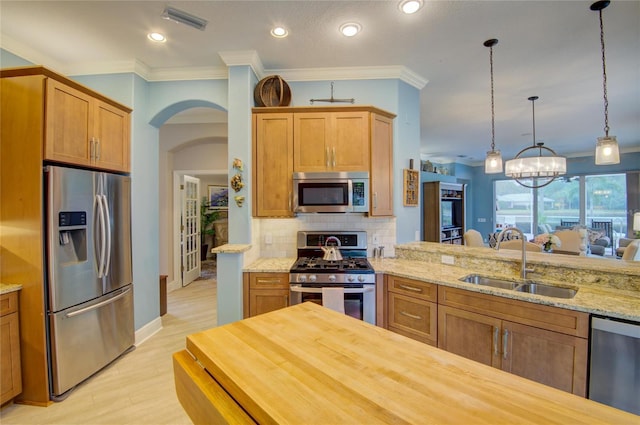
{"points": [[89, 273]]}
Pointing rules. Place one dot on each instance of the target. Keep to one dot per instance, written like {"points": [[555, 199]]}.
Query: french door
{"points": [[190, 229]]}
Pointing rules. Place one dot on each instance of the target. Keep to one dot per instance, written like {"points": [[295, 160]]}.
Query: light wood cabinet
{"points": [[331, 141], [37, 119], [86, 131], [10, 375], [265, 292], [381, 174], [412, 309], [320, 139], [273, 164], [545, 344], [444, 212]]}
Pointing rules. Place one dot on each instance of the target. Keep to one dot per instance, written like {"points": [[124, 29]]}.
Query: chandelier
{"points": [[607, 151], [493, 161], [535, 171]]}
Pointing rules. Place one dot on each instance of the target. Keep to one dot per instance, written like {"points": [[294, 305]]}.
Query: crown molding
{"points": [[244, 57], [353, 73], [194, 73]]}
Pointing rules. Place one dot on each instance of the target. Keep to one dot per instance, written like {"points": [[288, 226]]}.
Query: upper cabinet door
{"points": [[111, 127], [273, 164], [68, 124], [381, 174], [311, 138], [349, 150]]}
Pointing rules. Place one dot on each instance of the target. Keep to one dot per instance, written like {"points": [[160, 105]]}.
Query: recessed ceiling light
{"points": [[410, 6], [350, 29], [279, 32], [157, 37]]}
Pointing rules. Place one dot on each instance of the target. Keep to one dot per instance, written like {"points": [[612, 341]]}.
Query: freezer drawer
{"points": [[87, 337]]}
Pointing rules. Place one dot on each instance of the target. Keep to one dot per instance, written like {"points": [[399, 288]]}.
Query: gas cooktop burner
{"points": [[319, 265]]}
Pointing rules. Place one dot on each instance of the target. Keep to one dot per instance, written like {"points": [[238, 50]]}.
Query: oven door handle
{"points": [[298, 288]]}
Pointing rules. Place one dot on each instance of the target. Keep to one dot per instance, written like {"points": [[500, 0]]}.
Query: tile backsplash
{"points": [[277, 237]]}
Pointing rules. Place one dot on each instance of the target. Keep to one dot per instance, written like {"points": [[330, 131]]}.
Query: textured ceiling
{"points": [[546, 48]]}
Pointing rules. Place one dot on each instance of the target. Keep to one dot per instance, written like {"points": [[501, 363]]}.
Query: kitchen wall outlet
{"points": [[268, 238], [447, 259], [375, 239], [482, 220]]}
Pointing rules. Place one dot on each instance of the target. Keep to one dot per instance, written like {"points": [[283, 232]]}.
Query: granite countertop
{"points": [[590, 299], [5, 288], [231, 249], [603, 300]]}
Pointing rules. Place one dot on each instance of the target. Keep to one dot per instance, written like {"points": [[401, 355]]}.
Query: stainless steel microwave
{"points": [[331, 192]]}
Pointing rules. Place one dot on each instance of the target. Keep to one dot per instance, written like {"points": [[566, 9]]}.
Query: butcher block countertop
{"points": [[306, 364]]}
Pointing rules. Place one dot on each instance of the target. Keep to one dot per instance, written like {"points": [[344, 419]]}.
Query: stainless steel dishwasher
{"points": [[614, 377]]}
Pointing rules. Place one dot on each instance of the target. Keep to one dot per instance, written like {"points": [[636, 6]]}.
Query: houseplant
{"points": [[207, 217]]}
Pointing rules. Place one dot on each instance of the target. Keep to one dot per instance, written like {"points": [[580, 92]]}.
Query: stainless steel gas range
{"points": [[310, 273]]}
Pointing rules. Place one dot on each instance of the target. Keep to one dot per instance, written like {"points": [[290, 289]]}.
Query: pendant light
{"points": [[493, 161], [607, 151], [542, 170]]}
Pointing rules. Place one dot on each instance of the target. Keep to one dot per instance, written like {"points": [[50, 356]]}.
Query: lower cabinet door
{"points": [[266, 300], [550, 358], [413, 317], [470, 335]]}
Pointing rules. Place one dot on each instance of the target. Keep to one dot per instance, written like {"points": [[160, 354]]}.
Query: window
{"points": [[598, 201]]}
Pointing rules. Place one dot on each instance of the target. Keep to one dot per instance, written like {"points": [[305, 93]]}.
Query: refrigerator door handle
{"points": [[107, 264], [97, 306], [101, 237]]}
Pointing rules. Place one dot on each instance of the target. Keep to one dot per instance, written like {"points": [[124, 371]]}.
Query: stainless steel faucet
{"points": [[523, 269]]}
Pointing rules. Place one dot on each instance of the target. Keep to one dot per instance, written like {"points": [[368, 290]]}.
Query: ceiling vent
{"points": [[182, 17]]}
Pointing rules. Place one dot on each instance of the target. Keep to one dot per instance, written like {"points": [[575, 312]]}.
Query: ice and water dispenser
{"points": [[72, 229]]}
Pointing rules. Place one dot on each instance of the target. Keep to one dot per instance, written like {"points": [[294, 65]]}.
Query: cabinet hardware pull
{"points": [[290, 196], [375, 200], [333, 161], [92, 149], [326, 155], [496, 332], [98, 149], [505, 343], [413, 316], [410, 288]]}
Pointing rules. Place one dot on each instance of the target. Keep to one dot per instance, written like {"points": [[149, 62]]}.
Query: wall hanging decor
{"points": [[332, 99]]}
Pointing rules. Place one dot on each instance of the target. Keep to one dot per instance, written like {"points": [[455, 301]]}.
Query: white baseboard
{"points": [[148, 330]]}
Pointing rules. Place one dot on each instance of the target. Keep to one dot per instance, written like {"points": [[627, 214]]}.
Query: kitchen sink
{"points": [[547, 290], [528, 287], [489, 281]]}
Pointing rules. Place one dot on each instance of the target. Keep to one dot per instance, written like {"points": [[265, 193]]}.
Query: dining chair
{"points": [[473, 238]]}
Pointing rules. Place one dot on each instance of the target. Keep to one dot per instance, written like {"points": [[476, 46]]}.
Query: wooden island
{"points": [[306, 364]]}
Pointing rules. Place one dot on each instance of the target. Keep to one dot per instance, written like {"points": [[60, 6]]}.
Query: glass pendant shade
{"points": [[607, 151], [493, 162]]}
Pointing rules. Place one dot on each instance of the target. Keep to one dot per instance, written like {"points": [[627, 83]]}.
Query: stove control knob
{"points": [[302, 278], [312, 278], [351, 278], [332, 278], [361, 278]]}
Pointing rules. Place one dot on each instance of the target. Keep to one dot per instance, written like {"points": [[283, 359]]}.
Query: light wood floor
{"points": [[138, 388]]}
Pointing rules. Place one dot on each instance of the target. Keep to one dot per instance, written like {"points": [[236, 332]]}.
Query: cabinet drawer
{"points": [[269, 281], [8, 303], [413, 317], [413, 288], [540, 316]]}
